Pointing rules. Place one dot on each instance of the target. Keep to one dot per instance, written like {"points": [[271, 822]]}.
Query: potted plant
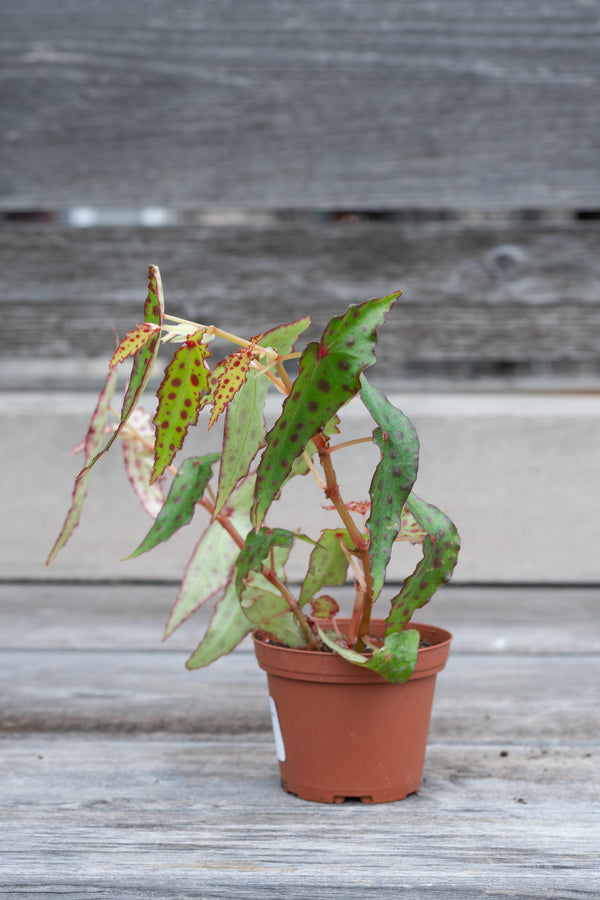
{"points": [[354, 684]]}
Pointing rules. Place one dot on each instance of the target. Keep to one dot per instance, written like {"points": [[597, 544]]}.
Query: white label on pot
{"points": [[279, 746]]}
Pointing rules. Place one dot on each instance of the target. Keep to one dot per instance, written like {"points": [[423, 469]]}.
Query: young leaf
{"points": [[134, 341], [395, 661], [138, 458], [92, 443], [392, 480], [328, 377], [183, 392], [257, 548], [228, 378], [228, 626], [187, 488], [269, 611], [212, 563], [328, 563], [440, 552]]}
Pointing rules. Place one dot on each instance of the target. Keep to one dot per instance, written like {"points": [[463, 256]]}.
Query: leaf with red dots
{"points": [[392, 480], [186, 490], [395, 661], [184, 390], [440, 551], [228, 377], [134, 341], [138, 457], [328, 377]]}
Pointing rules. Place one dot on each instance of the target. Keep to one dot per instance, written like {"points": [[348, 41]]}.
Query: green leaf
{"points": [[244, 434], [440, 553], [92, 443], [187, 488], [393, 478], [269, 611], [180, 397], [395, 661], [258, 546], [228, 626], [283, 337], [328, 377], [328, 563], [212, 564]]}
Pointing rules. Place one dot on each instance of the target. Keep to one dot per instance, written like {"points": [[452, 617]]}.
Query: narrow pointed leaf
{"points": [[257, 549], [440, 553], [93, 441], [143, 361], [395, 661], [180, 397], [213, 561], [328, 563], [138, 458], [393, 478], [328, 377], [244, 435], [228, 378], [186, 490], [228, 626]]}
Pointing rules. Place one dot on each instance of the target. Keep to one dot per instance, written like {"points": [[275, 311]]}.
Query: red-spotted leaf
{"points": [[440, 552], [328, 563], [186, 490], [324, 607], [229, 376], [183, 392], [328, 377], [133, 342], [93, 440], [137, 440], [392, 480]]}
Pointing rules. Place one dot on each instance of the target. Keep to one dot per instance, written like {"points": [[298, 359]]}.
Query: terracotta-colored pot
{"points": [[342, 731]]}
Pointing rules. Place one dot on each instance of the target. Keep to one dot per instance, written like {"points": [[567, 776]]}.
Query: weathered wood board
{"points": [[273, 104], [124, 775], [499, 301]]}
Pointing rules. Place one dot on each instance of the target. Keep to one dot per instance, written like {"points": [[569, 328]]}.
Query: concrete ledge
{"points": [[518, 473]]}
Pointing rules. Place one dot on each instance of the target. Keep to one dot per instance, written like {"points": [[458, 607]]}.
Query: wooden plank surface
{"points": [[275, 104], [124, 775], [491, 301]]}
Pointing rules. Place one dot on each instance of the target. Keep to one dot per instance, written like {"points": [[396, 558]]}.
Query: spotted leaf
{"points": [[392, 480], [395, 661], [133, 342], [138, 456], [440, 552], [328, 377], [229, 376], [182, 393]]}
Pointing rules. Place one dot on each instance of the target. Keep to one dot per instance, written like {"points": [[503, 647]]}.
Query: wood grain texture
{"points": [[501, 301], [277, 104], [125, 776]]}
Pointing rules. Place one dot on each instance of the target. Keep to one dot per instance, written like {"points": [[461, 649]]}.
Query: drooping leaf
{"points": [[328, 563], [182, 393], [410, 530], [212, 563], [228, 626], [187, 488], [92, 443], [440, 553], [328, 377], [395, 661], [138, 458], [229, 376], [393, 478], [134, 341], [143, 361]]}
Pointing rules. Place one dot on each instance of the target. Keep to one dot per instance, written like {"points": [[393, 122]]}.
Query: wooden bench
{"points": [[287, 157]]}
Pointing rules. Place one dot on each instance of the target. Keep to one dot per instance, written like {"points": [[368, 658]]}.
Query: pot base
{"points": [[322, 795]]}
